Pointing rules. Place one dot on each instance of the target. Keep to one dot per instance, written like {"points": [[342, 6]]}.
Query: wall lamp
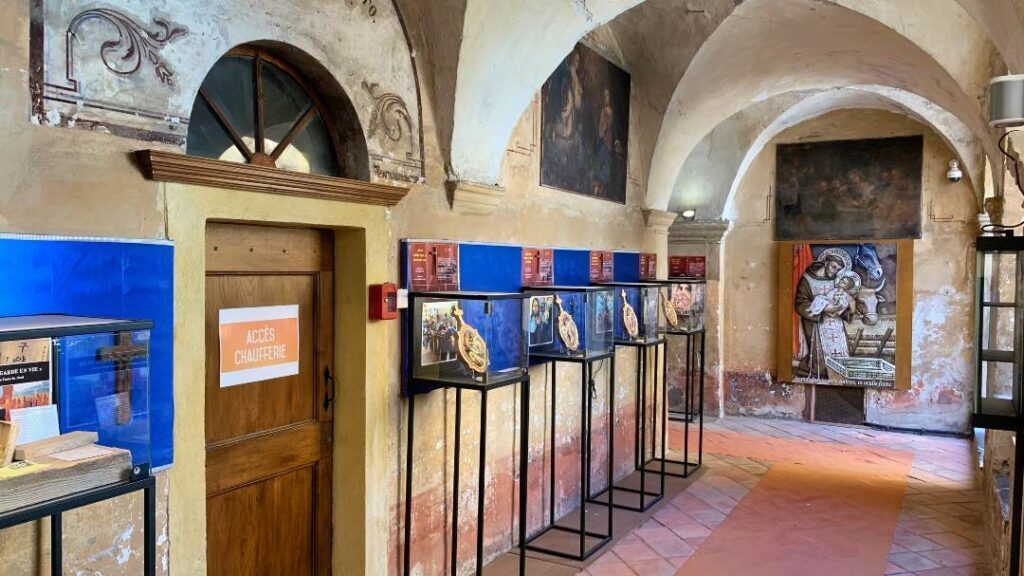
{"points": [[689, 214]]}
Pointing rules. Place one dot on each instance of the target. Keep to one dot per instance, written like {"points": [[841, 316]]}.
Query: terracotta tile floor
{"points": [[939, 531]]}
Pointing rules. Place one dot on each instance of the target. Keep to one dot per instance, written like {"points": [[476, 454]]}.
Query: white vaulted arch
{"points": [[720, 173], [749, 59], [508, 51]]}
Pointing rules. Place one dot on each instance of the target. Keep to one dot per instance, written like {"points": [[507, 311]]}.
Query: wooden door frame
{"points": [[361, 507]]}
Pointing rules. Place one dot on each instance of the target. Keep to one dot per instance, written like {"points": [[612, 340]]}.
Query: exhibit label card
{"points": [[538, 267], [602, 266], [687, 267], [433, 266], [258, 344], [35, 423], [25, 374], [648, 266]]}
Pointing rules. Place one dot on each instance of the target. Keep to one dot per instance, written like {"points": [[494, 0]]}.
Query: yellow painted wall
{"points": [[361, 409]]}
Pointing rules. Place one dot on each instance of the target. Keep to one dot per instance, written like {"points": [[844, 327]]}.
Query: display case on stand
{"points": [[574, 325], [467, 342], [636, 326], [76, 389]]}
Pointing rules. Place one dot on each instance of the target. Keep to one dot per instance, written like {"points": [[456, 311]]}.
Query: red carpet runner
{"points": [[820, 510]]}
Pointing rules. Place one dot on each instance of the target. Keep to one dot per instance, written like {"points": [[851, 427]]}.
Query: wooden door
{"points": [[268, 443]]}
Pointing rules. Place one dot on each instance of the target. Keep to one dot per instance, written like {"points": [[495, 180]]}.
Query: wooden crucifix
{"points": [[122, 354]]}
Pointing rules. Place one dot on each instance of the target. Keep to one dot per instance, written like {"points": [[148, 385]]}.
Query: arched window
{"points": [[255, 109]]}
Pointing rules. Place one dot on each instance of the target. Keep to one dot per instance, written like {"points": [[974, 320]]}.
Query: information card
{"points": [[258, 344]]}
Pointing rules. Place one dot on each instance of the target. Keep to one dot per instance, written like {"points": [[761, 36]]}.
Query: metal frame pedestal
{"points": [[694, 379], [55, 508], [524, 443], [647, 497], [587, 390]]}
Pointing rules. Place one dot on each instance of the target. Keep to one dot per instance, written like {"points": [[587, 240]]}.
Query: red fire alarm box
{"points": [[383, 301]]}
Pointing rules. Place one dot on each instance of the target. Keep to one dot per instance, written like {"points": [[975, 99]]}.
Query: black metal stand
{"points": [[55, 508], [587, 391], [1017, 505], [694, 385], [647, 498], [524, 448]]}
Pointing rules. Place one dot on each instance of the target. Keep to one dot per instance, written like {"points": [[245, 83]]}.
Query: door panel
{"points": [[259, 406], [265, 526], [268, 444]]}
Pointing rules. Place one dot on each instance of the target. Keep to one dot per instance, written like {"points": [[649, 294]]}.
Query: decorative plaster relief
{"points": [[133, 70], [132, 43]]}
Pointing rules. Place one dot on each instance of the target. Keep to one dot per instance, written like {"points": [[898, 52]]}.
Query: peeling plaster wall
{"points": [[78, 181], [74, 182], [943, 271]]}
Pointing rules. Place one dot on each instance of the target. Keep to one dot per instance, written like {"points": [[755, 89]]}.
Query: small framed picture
{"points": [[540, 324], [439, 330]]}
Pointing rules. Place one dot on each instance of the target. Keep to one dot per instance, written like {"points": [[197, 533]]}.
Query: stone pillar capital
{"points": [[659, 221], [475, 198], [698, 232]]}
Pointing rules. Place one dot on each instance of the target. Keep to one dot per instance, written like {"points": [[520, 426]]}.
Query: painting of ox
{"points": [[849, 190], [585, 127], [844, 313]]}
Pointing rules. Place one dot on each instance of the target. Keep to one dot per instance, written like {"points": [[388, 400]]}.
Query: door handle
{"points": [[328, 387]]}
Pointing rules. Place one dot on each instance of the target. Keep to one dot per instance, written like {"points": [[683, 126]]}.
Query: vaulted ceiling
{"points": [[713, 80]]}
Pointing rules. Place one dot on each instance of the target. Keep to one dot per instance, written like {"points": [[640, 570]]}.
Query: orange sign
{"points": [[258, 344]]}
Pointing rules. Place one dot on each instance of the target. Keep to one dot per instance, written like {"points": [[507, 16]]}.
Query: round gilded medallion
{"points": [[471, 345], [629, 319], [567, 330]]}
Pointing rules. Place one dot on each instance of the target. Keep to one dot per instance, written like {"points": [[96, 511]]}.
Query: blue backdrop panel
{"points": [[572, 267], [132, 280], [490, 268], [627, 266]]}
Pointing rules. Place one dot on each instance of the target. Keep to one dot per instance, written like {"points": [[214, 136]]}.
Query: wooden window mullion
{"points": [[258, 81]]}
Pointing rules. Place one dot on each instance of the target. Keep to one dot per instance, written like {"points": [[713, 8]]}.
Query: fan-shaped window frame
{"points": [[265, 177], [260, 156]]}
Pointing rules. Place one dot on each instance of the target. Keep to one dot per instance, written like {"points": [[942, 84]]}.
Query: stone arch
{"points": [[711, 169], [746, 61], [508, 51], [498, 73]]}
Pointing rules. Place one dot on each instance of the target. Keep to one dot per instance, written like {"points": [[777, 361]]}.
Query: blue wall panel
{"points": [[490, 268], [627, 266], [101, 278], [572, 267]]}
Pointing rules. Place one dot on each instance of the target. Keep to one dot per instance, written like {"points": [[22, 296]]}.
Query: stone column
{"points": [[656, 236], [704, 238]]}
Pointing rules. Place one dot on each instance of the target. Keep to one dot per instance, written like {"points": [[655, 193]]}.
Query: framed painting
{"points": [[585, 127], [845, 313], [849, 190]]}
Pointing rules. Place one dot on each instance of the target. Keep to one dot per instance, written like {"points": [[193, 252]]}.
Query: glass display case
{"points": [[681, 304], [636, 311], [96, 371], [570, 322], [999, 307], [475, 339]]}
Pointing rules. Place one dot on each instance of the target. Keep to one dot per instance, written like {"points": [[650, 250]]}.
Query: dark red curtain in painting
{"points": [[802, 258]]}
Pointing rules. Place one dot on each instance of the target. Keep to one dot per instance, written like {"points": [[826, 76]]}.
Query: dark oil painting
{"points": [[849, 190], [585, 127]]}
